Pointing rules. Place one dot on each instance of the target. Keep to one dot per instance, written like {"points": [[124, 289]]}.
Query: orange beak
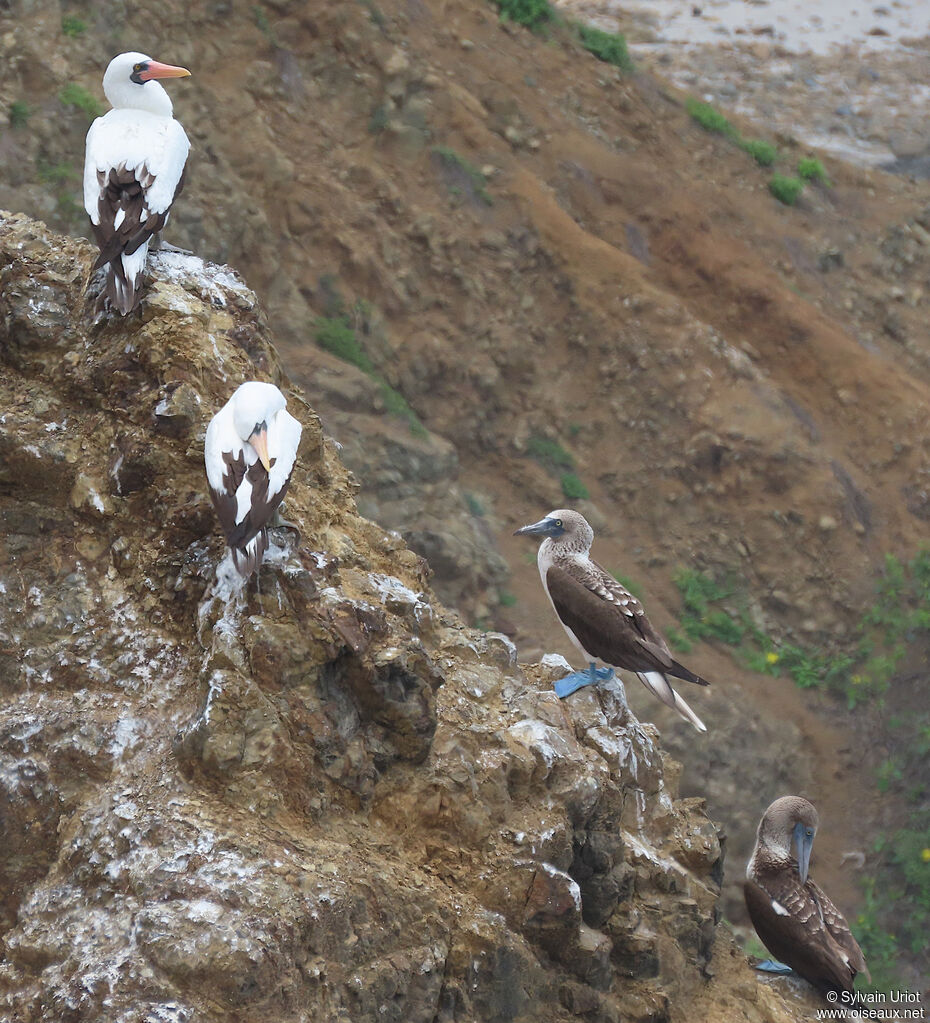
{"points": [[156, 70], [259, 441]]}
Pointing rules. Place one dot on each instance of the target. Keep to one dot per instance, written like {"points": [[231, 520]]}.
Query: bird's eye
{"points": [[558, 522], [136, 68], [810, 833]]}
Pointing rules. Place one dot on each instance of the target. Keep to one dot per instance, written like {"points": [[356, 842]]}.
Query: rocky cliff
{"points": [[317, 797]]}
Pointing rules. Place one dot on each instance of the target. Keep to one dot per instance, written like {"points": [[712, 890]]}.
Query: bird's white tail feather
{"points": [[659, 686]]}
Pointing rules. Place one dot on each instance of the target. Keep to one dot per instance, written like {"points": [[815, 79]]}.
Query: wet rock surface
{"points": [[317, 796]]}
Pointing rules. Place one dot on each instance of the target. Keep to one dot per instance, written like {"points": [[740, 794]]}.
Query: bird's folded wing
{"points": [[836, 924], [788, 919], [607, 619]]}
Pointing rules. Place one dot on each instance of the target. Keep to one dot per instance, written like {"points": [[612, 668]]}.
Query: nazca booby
{"points": [[249, 453], [133, 170], [604, 621], [796, 921]]}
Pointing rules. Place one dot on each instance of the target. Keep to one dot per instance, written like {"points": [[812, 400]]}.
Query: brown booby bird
{"points": [[604, 621], [249, 453], [133, 170], [796, 921]]}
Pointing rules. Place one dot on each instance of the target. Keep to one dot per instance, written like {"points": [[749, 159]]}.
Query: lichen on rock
{"points": [[318, 796]]}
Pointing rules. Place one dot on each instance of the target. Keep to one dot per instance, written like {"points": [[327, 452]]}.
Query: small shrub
{"points": [[573, 488], [335, 334], [397, 405], [764, 153], [606, 46], [811, 169], [18, 114], [531, 13], [549, 453], [462, 177], [709, 118], [73, 26], [506, 599], [74, 95], [786, 190], [474, 505]]}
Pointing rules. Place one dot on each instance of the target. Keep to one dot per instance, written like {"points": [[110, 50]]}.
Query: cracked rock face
{"points": [[315, 797]]}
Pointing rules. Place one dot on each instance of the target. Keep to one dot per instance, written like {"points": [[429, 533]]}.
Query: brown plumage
{"points": [[588, 603], [603, 620], [792, 915]]}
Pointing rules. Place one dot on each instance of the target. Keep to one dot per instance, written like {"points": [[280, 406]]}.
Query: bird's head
{"points": [[254, 406], [568, 527], [128, 81], [788, 828]]}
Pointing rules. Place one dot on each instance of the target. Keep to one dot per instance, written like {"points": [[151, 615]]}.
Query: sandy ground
{"points": [[851, 79]]}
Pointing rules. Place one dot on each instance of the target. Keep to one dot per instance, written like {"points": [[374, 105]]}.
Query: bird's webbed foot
{"points": [[773, 966], [578, 679]]}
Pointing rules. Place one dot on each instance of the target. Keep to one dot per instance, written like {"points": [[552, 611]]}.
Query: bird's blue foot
{"points": [[773, 966], [578, 679]]}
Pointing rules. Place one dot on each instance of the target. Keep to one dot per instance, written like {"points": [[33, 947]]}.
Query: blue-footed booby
{"points": [[796, 921], [133, 170], [604, 621], [249, 453]]}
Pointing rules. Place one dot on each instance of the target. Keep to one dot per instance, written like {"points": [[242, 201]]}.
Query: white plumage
{"points": [[249, 454], [133, 168]]}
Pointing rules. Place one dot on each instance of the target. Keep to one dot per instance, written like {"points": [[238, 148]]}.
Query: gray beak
{"points": [[545, 527], [803, 843]]}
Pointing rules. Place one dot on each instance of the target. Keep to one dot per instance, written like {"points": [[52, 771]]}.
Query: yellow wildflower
{"points": [[771, 657]]}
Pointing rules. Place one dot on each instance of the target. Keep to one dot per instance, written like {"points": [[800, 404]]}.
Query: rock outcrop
{"points": [[318, 797]]}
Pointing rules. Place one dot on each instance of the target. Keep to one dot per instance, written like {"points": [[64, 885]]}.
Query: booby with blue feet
{"points": [[603, 620], [792, 915], [249, 453]]}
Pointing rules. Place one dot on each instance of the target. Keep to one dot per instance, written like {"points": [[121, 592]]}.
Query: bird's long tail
{"points": [[659, 686], [124, 280], [686, 675]]}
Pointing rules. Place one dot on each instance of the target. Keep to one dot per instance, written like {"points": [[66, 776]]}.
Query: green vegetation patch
{"points": [[530, 13], [811, 169], [786, 189], [549, 453], [337, 335], [719, 612], [606, 46], [573, 488], [18, 114], [764, 153], [710, 118], [73, 26], [506, 599], [74, 95], [474, 505], [461, 176]]}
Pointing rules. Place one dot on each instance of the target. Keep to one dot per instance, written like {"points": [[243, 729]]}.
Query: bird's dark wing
{"points": [[787, 917], [609, 621], [839, 930]]}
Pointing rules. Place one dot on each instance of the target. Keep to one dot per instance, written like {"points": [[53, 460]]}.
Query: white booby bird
{"points": [[133, 169], [249, 453], [604, 621], [796, 921]]}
